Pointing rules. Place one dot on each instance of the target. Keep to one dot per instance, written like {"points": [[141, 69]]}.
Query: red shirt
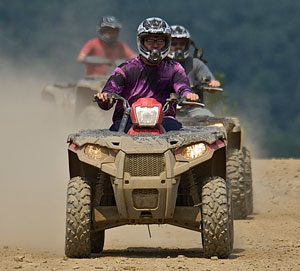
{"points": [[97, 47]]}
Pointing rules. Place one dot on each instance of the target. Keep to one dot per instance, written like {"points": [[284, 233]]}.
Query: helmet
{"points": [[106, 23], [150, 26], [180, 32]]}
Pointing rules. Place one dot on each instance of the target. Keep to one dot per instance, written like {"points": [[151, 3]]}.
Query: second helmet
{"points": [[180, 32], [108, 22]]}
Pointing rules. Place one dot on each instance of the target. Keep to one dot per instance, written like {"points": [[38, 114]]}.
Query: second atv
{"points": [[238, 156], [75, 98]]}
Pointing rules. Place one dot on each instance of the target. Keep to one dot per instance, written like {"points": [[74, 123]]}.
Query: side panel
{"points": [[234, 140], [79, 168]]}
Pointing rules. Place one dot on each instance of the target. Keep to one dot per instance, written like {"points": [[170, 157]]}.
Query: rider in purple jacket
{"points": [[150, 74]]}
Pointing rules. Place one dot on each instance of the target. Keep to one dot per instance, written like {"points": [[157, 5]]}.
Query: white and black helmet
{"points": [[180, 32], [157, 26], [105, 23]]}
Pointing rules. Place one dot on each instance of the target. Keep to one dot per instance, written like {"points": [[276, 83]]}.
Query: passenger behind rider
{"points": [[151, 74], [194, 67], [106, 46]]}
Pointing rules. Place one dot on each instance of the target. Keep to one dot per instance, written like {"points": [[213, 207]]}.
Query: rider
{"points": [[194, 67], [106, 46], [151, 74]]}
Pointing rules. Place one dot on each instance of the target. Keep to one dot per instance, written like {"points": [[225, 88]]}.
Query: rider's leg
{"points": [[171, 124], [115, 126]]}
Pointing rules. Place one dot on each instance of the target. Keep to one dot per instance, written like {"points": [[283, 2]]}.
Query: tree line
{"points": [[254, 44]]}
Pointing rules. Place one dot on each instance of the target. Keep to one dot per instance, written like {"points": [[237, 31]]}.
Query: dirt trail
{"points": [[268, 240]]}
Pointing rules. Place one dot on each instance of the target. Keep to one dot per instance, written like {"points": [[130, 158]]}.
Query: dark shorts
{"points": [[167, 123]]}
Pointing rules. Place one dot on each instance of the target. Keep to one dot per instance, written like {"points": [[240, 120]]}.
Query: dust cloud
{"points": [[34, 163]]}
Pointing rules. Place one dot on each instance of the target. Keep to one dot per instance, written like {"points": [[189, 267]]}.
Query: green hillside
{"points": [[255, 44]]}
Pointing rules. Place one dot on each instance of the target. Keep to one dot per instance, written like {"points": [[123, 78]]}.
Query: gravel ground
{"points": [[267, 240]]}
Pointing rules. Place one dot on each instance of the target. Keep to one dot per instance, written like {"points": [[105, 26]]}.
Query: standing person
{"points": [[194, 67], [151, 74], [106, 46]]}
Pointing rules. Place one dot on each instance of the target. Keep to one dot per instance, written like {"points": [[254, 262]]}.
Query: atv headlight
{"points": [[93, 151], [194, 151], [218, 124], [147, 116]]}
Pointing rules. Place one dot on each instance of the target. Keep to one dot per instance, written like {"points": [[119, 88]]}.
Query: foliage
{"points": [[254, 43]]}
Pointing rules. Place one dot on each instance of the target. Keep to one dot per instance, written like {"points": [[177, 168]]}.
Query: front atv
{"points": [[176, 178]]}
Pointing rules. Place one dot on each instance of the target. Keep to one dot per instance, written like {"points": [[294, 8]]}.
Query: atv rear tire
{"points": [[248, 179], [238, 187], [78, 222], [217, 220]]}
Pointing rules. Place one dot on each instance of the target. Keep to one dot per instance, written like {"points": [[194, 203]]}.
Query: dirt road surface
{"points": [[268, 240]]}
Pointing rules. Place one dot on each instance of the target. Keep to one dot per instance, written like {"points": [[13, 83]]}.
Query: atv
{"points": [[148, 176], [75, 97], [238, 156]]}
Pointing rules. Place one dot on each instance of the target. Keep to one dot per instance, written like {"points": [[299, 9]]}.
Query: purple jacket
{"points": [[134, 79]]}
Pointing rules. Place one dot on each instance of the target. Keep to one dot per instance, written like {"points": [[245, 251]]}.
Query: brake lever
{"points": [[174, 99], [212, 89], [192, 103]]}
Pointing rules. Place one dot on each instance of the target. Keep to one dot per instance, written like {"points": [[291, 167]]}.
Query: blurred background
{"points": [[254, 45]]}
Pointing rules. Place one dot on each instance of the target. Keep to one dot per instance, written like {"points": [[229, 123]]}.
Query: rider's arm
{"points": [[81, 57], [181, 84], [201, 70], [115, 84], [85, 51]]}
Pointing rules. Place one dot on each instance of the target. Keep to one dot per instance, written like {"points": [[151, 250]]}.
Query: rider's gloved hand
{"points": [[193, 97], [106, 98], [214, 83], [102, 97]]}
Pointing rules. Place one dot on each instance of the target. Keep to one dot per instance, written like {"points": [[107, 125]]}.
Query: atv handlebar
{"points": [[98, 60], [112, 97], [191, 103], [206, 87], [179, 100], [203, 85], [174, 99]]}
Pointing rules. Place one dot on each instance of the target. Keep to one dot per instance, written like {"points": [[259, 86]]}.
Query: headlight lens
{"points": [[93, 151], [218, 124], [147, 116], [194, 151]]}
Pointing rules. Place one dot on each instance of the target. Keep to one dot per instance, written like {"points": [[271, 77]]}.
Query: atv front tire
{"points": [[78, 218], [217, 220]]}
